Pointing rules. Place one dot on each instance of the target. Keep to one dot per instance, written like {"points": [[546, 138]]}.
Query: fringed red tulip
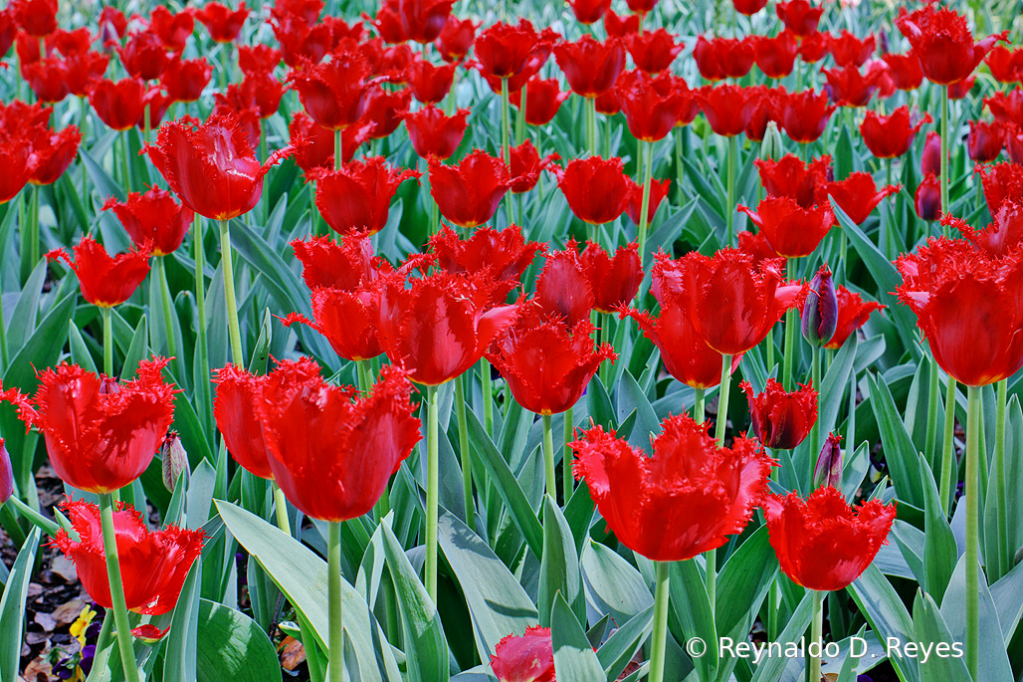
{"points": [[223, 23], [728, 108], [853, 312], [591, 67], [799, 16], [720, 58], [237, 392], [589, 11], [858, 195], [904, 70], [153, 219], [781, 420], [504, 254], [430, 84], [653, 51], [456, 38], [985, 141], [468, 194], [334, 92], [595, 188], [543, 99], [848, 50], [172, 29], [943, 42], [529, 658], [805, 115], [433, 133], [106, 281], [776, 57], [143, 55], [120, 105], [634, 202], [1004, 233], [357, 198], [790, 229], [888, 137], [790, 177], [526, 167]]}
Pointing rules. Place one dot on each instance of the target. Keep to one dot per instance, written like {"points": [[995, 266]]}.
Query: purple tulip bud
{"points": [[820, 312], [829, 464], [6, 474]]}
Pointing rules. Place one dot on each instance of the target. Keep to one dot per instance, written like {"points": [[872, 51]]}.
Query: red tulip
{"points": [[749, 7], [82, 69], [1005, 231], [858, 196], [769, 102], [619, 27], [776, 56], [943, 42], [799, 17], [434, 134], [543, 99], [529, 658], [791, 230], [848, 50], [143, 56], [595, 189], [930, 159], [608, 103], [385, 109], [904, 70], [813, 48], [211, 167], [259, 93], [153, 220], [119, 104], [303, 11], [332, 452], [430, 84], [423, 20], [48, 79], [504, 254], [468, 194], [15, 166], [158, 105], [345, 264], [172, 29], [641, 7], [334, 92], [690, 108], [890, 136], [853, 312], [506, 50], [960, 89], [634, 203], [644, 499], [590, 67], [733, 305], [357, 197], [805, 115], [564, 287], [223, 24], [100, 434], [153, 564], [18, 116], [822, 543], [547, 364], [258, 58], [927, 199], [651, 106], [106, 281], [113, 26], [52, 153], [728, 108], [589, 11], [456, 38], [526, 166], [614, 280], [780, 420], [38, 18], [439, 325], [653, 51], [720, 58], [237, 392], [757, 247], [1001, 182], [1006, 108], [790, 177], [8, 30], [387, 23], [1006, 65], [850, 88]]}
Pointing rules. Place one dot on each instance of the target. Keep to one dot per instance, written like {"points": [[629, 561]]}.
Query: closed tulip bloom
{"points": [[591, 67], [904, 70], [781, 420], [813, 48], [853, 312], [685, 499], [930, 159], [776, 57], [543, 99], [456, 38], [504, 254], [822, 543], [1001, 181], [100, 434], [143, 55], [595, 188], [172, 29], [927, 198], [6, 475], [106, 281], [433, 133], [653, 51], [237, 392], [8, 30], [1003, 233], [48, 79], [799, 16], [614, 279], [546, 363], [345, 264], [119, 104], [828, 471], [769, 104], [83, 70], [441, 324], [589, 11], [357, 197], [732, 304], [790, 177], [468, 194], [1006, 65], [791, 230], [529, 658], [211, 167], [820, 309], [423, 20], [848, 50], [749, 7], [728, 108], [720, 58], [385, 109], [850, 88], [888, 137], [223, 23], [641, 7], [564, 287], [634, 203], [38, 18], [184, 80], [505, 50], [858, 195], [651, 106], [526, 166], [334, 92], [152, 219], [805, 115], [618, 26], [943, 42], [430, 84], [153, 564]]}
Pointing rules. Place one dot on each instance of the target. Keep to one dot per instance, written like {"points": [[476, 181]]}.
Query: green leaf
{"points": [[899, 451], [233, 648], [884, 610], [425, 645], [559, 568], [631, 397], [574, 659], [80, 354], [940, 552], [138, 350], [620, 647], [180, 661], [929, 629], [743, 583], [26, 310], [994, 662], [691, 614], [12, 608], [770, 669], [612, 584]]}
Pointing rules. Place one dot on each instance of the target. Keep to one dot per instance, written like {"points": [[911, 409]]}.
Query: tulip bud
{"points": [[6, 475], [820, 312], [175, 460], [829, 464], [108, 385], [927, 199], [771, 148]]}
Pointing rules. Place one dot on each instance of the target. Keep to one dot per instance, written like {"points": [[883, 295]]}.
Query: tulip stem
{"points": [[733, 161], [723, 391], [933, 397], [124, 643], [83, 122], [126, 162], [432, 476], [520, 118], [850, 442], [815, 375], [973, 455], [488, 398], [644, 211], [237, 355], [463, 451], [4, 354], [263, 155], [202, 357], [339, 152], [336, 651], [281, 508], [108, 341], [698, 407], [817, 634], [566, 457], [548, 458], [788, 352], [945, 207], [168, 318], [591, 125], [505, 123], [999, 481], [947, 447], [658, 643]]}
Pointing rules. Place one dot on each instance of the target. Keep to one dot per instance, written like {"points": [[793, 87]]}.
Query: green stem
{"points": [[505, 123], [362, 376], [791, 321], [644, 212], [336, 651], [126, 162], [168, 315], [999, 480], [816, 634], [520, 118], [948, 473], [850, 440], [4, 354], [548, 458], [733, 162], [463, 451], [263, 155], [83, 127], [591, 125], [124, 643], [339, 152], [203, 356], [698, 406], [815, 374], [945, 207], [432, 489], [974, 424], [108, 341], [566, 457], [659, 639], [723, 391], [237, 356], [488, 397], [933, 397], [281, 508]]}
